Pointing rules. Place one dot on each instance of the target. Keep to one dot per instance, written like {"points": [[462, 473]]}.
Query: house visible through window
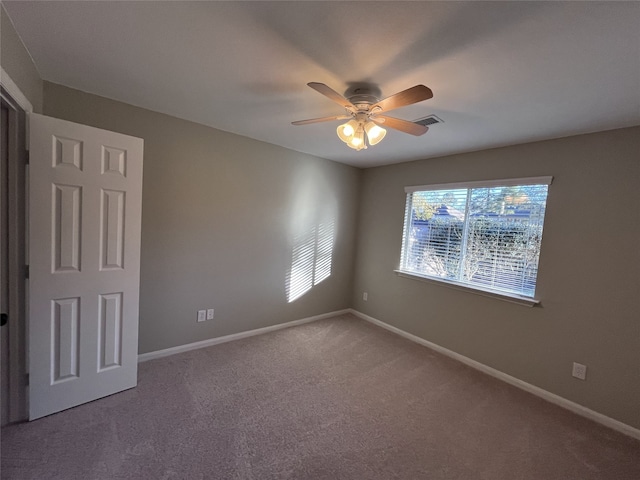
{"points": [[483, 235]]}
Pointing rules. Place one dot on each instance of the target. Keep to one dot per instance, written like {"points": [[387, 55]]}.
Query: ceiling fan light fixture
{"points": [[363, 105], [375, 133], [346, 131]]}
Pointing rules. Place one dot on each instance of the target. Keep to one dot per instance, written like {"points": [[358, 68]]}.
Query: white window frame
{"points": [[475, 289]]}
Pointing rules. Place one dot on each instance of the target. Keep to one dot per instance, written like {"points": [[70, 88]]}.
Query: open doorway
{"points": [[12, 260]]}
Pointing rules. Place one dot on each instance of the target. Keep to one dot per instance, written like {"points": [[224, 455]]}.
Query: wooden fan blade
{"points": [[406, 97], [402, 125], [323, 119], [331, 94]]}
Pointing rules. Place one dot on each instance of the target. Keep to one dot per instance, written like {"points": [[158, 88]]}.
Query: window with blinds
{"points": [[484, 235]]}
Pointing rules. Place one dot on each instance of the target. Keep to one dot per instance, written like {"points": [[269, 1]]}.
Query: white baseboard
{"points": [[527, 387], [143, 357]]}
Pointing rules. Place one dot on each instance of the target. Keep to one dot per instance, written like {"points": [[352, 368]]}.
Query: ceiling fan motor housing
{"points": [[363, 102], [363, 96]]}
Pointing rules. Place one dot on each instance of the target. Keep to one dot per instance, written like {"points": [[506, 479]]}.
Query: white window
{"points": [[482, 235]]}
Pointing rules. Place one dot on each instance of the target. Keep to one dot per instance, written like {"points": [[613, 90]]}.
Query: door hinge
{"points": [[26, 379], [26, 271], [26, 157]]}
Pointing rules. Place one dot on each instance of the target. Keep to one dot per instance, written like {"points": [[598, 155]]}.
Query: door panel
{"points": [[84, 234]]}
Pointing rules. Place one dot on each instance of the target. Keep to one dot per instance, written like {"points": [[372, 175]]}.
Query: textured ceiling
{"points": [[501, 72]]}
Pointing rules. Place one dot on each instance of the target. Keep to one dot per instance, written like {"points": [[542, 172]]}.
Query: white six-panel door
{"points": [[85, 199]]}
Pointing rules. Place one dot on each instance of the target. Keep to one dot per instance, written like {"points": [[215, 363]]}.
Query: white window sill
{"points": [[507, 297]]}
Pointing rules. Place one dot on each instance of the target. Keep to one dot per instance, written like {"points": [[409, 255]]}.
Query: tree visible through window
{"points": [[483, 235]]}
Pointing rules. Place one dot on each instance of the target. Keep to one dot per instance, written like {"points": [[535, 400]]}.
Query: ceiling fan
{"points": [[366, 113]]}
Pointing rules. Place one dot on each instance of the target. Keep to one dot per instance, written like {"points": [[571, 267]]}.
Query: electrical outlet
{"points": [[210, 314], [365, 296], [579, 371], [202, 315]]}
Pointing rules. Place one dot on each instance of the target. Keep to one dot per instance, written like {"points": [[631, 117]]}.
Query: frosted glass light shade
{"points": [[357, 141], [347, 130], [374, 133]]}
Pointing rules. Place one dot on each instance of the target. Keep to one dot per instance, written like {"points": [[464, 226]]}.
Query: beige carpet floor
{"points": [[333, 399]]}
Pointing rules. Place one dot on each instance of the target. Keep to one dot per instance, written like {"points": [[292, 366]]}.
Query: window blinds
{"points": [[484, 236]]}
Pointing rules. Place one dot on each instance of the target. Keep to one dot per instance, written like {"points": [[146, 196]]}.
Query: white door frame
{"points": [[15, 92]]}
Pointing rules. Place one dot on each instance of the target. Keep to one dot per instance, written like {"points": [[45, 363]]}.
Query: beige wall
{"points": [[16, 61], [589, 275], [219, 219]]}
